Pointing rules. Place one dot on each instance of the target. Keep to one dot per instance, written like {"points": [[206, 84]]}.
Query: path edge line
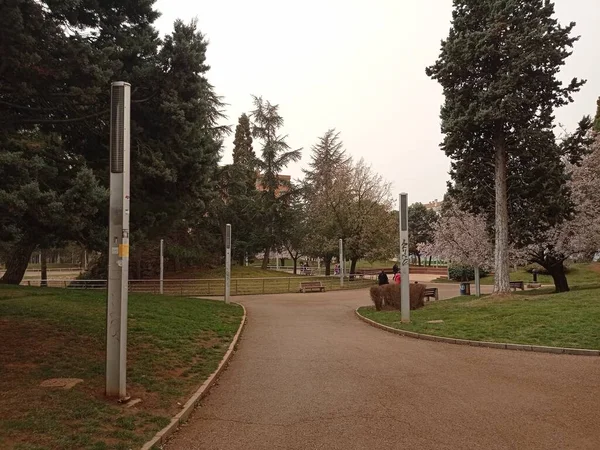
{"points": [[182, 416], [500, 345]]}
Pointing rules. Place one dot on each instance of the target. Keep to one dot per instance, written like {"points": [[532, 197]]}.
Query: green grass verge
{"points": [[537, 318], [579, 274], [173, 345]]}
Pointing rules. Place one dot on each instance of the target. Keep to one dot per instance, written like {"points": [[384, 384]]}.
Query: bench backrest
{"points": [[310, 283]]}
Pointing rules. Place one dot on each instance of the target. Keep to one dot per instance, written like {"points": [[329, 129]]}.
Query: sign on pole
{"points": [[404, 260], [118, 246], [162, 266], [227, 262], [341, 264]]}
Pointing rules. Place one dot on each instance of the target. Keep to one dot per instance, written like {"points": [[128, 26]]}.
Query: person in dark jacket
{"points": [[383, 278]]}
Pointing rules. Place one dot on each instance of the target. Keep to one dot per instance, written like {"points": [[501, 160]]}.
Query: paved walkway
{"points": [[309, 375]]}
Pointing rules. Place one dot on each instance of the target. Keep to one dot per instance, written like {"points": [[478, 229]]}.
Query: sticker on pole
{"points": [[124, 250]]}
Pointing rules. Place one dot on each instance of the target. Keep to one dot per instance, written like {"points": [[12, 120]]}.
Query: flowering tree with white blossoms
{"points": [[581, 234], [461, 237]]}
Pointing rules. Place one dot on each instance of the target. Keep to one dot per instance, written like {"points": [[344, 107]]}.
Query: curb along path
{"points": [[500, 345], [161, 437]]}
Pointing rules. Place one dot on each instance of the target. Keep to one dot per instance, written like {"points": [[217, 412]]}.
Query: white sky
{"points": [[357, 66]]}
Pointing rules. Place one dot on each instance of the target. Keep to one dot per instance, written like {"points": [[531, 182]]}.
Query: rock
{"points": [[133, 402]]}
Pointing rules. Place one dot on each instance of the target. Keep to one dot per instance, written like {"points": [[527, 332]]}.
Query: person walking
{"points": [[395, 269], [382, 278]]}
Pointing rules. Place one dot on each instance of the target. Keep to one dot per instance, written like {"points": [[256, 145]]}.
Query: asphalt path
{"points": [[309, 375]]}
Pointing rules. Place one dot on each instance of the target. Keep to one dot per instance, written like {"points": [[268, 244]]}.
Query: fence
{"points": [[216, 287]]}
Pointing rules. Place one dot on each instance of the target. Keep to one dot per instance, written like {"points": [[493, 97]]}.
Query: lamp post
{"points": [[118, 247], [227, 262], [162, 266], [404, 259], [341, 263]]}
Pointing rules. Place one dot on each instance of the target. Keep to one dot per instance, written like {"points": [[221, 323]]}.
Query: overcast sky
{"points": [[357, 66]]}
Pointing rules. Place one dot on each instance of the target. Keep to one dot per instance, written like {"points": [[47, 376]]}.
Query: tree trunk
{"points": [[43, 268], [501, 257], [430, 261], [560, 279], [556, 268], [419, 259], [17, 262], [353, 262], [327, 261], [295, 264], [265, 262]]}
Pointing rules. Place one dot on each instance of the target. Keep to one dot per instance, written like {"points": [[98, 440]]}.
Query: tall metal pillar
{"points": [[162, 266], [118, 249], [404, 259], [227, 262], [342, 264]]}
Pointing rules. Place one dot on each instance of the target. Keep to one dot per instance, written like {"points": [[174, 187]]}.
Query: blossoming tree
{"points": [[461, 237], [581, 234]]}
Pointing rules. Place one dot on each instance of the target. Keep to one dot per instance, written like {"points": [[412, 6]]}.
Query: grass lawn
{"points": [[173, 345], [579, 274], [536, 317]]}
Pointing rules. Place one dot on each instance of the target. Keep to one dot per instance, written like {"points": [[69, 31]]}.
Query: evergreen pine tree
{"points": [[276, 155], [499, 72], [328, 156]]}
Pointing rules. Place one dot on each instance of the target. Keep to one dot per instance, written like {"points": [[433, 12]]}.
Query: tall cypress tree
{"points": [[499, 72], [243, 154]]}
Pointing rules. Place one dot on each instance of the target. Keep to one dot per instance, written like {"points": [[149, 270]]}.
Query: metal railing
{"points": [[213, 287]]}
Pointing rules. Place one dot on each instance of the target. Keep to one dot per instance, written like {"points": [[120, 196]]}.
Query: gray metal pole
{"points": [[118, 251], [227, 262], [477, 282], [341, 263], [404, 259], [162, 266]]}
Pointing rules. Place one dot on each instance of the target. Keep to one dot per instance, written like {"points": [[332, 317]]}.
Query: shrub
{"points": [[389, 295], [457, 272], [376, 297], [417, 296]]}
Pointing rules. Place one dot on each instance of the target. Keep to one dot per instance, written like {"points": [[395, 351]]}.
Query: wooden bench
{"points": [[311, 286], [431, 292], [517, 285]]}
